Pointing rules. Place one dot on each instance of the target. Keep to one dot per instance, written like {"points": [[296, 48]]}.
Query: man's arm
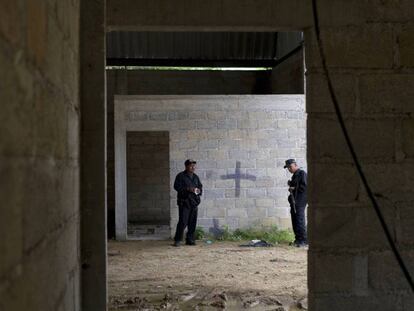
{"points": [[179, 185], [200, 186], [303, 182]]}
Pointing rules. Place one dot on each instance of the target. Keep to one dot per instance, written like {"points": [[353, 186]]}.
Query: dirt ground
{"points": [[153, 275]]}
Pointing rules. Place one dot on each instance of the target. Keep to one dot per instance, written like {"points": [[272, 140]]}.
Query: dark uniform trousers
{"points": [[187, 217], [298, 201], [299, 223]]}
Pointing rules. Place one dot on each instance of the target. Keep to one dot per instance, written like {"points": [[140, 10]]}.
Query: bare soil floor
{"points": [[153, 275]]}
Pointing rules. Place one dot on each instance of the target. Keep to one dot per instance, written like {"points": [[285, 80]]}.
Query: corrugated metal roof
{"points": [[201, 46]]}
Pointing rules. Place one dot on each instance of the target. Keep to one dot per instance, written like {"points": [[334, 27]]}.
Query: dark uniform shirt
{"points": [[300, 182], [182, 182]]}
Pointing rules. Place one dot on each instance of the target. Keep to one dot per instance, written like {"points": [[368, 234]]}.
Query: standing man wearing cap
{"points": [[298, 200], [189, 189]]}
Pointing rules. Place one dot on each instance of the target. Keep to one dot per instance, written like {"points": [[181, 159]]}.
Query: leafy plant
{"points": [[270, 234], [199, 233]]}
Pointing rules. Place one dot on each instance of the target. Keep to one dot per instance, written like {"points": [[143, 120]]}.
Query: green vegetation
{"points": [[200, 234], [270, 234]]}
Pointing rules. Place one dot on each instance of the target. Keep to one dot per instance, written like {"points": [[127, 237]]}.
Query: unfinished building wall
{"points": [[239, 142], [39, 150], [181, 82], [370, 55]]}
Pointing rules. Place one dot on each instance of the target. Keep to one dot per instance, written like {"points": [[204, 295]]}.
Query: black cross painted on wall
{"points": [[237, 176]]}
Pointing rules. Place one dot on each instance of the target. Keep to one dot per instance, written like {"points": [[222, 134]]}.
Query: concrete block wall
{"points": [[39, 151], [249, 136], [154, 82], [148, 177], [370, 56]]}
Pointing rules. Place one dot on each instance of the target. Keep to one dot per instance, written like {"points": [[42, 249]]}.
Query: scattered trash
{"points": [[257, 243], [251, 303], [209, 242], [114, 253]]}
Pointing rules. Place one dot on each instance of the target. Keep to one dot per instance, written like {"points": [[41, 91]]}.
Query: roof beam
{"points": [[211, 15]]}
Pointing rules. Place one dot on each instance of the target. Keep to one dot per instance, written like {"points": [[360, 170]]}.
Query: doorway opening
{"points": [[148, 187], [240, 126]]}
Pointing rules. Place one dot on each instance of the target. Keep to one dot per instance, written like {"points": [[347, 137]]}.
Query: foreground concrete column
{"points": [[93, 155]]}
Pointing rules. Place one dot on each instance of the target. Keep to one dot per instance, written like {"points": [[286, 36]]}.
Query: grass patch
{"points": [[271, 234]]}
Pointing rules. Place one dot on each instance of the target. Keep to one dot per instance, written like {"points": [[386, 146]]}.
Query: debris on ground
{"points": [[148, 275], [257, 243]]}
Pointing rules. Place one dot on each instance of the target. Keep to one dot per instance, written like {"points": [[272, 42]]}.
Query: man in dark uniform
{"points": [[298, 201], [189, 189]]}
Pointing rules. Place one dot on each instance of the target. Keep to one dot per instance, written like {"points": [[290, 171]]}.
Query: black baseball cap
{"points": [[189, 161], [289, 162]]}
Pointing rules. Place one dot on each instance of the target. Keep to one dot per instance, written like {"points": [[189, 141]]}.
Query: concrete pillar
{"points": [[93, 155]]}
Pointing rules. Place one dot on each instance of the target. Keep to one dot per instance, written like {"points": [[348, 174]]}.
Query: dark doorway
{"points": [[148, 190]]}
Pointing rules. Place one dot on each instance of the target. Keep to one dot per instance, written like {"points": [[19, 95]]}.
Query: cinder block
{"points": [[287, 124], [404, 222], [386, 93], [178, 115], [237, 212], [330, 273], [265, 202], [229, 144], [182, 125], [227, 183], [206, 164], [270, 133], [248, 144], [279, 213], [317, 94], [343, 302], [213, 193], [216, 134], [226, 164], [207, 144], [238, 134], [247, 164], [337, 190], [227, 124], [216, 212], [256, 211], [196, 134], [224, 203], [217, 155], [216, 115], [343, 227], [406, 45], [384, 272], [269, 221], [266, 182], [197, 115], [238, 155], [256, 192], [245, 203], [158, 116], [364, 46], [407, 138], [284, 153], [206, 124], [266, 163], [327, 141], [258, 154], [257, 172], [267, 124], [247, 124]]}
